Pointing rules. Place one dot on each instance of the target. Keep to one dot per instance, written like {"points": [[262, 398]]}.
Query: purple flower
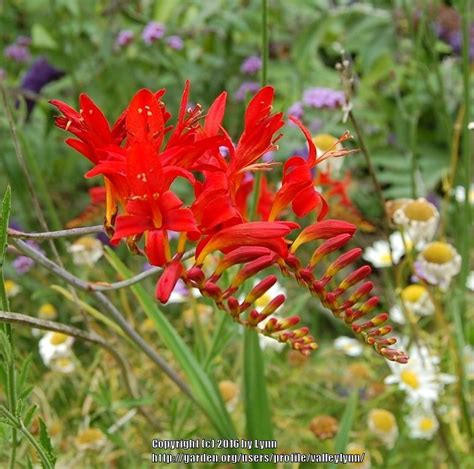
{"points": [[153, 31], [323, 98], [296, 110], [124, 38], [23, 264], [17, 52], [315, 125], [251, 65], [175, 42], [246, 87], [38, 75]]}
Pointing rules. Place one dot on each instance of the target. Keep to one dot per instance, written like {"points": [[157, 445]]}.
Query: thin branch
{"points": [[110, 308], [25, 320], [56, 234]]}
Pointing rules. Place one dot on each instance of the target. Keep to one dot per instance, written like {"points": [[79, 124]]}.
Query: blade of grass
{"points": [[204, 387], [342, 437]]}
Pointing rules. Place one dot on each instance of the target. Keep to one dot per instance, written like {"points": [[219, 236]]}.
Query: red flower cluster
{"points": [[141, 156]]}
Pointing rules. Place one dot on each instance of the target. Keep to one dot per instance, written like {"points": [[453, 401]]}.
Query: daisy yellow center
{"points": [[57, 338], [88, 243], [438, 252], [385, 258], [413, 293], [47, 311], [91, 435], [419, 210], [63, 362], [426, 424], [324, 141], [409, 378], [355, 449], [10, 286], [383, 420]]}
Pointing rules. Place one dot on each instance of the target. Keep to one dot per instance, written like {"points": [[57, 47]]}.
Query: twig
{"points": [[25, 320], [56, 234], [110, 308]]}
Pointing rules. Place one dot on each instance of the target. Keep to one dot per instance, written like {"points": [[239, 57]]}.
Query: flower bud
{"points": [[343, 261], [329, 246], [253, 268]]}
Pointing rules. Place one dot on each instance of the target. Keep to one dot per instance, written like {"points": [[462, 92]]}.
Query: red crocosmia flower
{"points": [[258, 136], [297, 184], [264, 234], [90, 126]]}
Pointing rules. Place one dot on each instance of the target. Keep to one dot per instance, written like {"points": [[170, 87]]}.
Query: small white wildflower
{"points": [[383, 425], [422, 424], [348, 345], [86, 251], [53, 345]]}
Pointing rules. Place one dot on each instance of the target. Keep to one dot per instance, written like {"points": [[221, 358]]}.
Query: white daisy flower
{"points": [[383, 425], [470, 281], [420, 378], [379, 253], [11, 288], [422, 424], [417, 300], [419, 218], [356, 448], [63, 364], [47, 311], [86, 251], [90, 439], [438, 263], [350, 346], [396, 314], [460, 194], [54, 345]]}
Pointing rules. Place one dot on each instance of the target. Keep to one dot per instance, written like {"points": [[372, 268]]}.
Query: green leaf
{"points": [[342, 437], [257, 408], [41, 38], [202, 384], [45, 442]]}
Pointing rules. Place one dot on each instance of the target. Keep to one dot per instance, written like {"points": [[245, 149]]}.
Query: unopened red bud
{"points": [[273, 306], [240, 255], [376, 321], [260, 289], [195, 274], [381, 331], [234, 307], [253, 268], [212, 290], [355, 277], [369, 305], [301, 332], [329, 246], [362, 291], [323, 230], [292, 261], [270, 325], [253, 318], [306, 275], [342, 261], [288, 322]]}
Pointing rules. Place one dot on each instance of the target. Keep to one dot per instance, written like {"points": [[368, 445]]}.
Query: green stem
{"points": [[258, 175]]}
